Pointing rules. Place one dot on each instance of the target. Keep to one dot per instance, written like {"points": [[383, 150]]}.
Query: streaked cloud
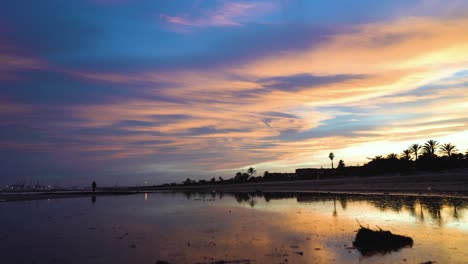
{"points": [[276, 96], [228, 14], [364, 75]]}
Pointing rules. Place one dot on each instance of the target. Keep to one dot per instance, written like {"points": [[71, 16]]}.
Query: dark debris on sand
{"points": [[369, 241]]}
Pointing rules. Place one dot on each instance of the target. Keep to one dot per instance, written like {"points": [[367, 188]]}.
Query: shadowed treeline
{"points": [[429, 157]]}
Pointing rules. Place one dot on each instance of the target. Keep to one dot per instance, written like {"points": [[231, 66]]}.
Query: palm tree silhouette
{"points": [[406, 154], [251, 171], [331, 156], [415, 148], [392, 156], [430, 147], [448, 148]]}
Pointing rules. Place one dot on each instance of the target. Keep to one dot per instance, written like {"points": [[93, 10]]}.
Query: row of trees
{"points": [[341, 163], [239, 177], [431, 148], [428, 156]]}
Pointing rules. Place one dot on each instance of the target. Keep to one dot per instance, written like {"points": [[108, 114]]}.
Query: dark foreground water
{"points": [[241, 228]]}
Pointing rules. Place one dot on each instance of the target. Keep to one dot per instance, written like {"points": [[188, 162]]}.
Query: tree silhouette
{"points": [[187, 181], [448, 149], [331, 156], [415, 148], [406, 155], [238, 176], [430, 147], [449, 157], [341, 164], [251, 171]]}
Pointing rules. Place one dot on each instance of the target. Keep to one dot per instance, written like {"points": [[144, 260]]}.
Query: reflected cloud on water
{"points": [[205, 227]]}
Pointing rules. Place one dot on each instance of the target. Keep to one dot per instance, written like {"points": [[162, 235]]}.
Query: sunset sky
{"points": [[125, 91]]}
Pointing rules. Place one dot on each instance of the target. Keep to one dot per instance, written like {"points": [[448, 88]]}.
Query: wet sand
{"points": [[192, 227], [24, 196]]}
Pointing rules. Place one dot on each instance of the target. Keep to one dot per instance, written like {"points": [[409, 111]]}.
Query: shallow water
{"points": [[242, 228]]}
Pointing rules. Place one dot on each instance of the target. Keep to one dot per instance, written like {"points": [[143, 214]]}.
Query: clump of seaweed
{"points": [[370, 242]]}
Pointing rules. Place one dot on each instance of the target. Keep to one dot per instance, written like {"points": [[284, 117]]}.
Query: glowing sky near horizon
{"points": [[132, 91]]}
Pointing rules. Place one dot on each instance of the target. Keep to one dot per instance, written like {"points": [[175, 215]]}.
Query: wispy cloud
{"points": [[367, 70], [14, 59], [356, 89], [228, 14]]}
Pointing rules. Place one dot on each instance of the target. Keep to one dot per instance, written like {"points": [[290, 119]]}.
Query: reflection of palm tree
{"points": [[455, 212], [252, 203], [415, 148], [456, 205], [448, 149], [331, 156], [335, 213], [430, 147], [421, 216], [343, 202]]}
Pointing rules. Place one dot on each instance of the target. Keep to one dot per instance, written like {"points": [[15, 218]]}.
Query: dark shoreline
{"points": [[442, 184]]}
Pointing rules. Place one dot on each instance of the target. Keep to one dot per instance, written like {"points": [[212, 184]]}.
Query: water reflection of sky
{"points": [[260, 228]]}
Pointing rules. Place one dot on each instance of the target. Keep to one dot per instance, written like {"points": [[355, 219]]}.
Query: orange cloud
{"points": [[392, 59]]}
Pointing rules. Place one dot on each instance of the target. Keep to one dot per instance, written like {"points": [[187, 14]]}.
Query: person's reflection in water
{"points": [[93, 199]]}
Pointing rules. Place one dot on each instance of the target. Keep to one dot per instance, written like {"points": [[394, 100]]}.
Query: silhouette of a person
{"points": [[94, 186]]}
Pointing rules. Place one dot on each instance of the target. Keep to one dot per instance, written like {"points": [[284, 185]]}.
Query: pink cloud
{"points": [[15, 58], [229, 14]]}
